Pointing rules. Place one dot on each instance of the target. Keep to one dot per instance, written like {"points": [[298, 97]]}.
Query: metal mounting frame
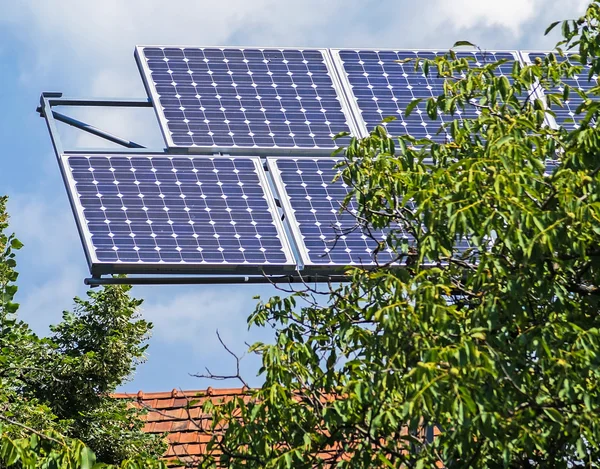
{"points": [[49, 100]]}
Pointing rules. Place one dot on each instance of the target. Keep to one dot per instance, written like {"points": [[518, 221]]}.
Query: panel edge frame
{"points": [[350, 96], [342, 88], [288, 211], [270, 198], [153, 95], [84, 233]]}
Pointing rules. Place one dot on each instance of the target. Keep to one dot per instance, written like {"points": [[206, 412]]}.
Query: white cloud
{"points": [[91, 43], [509, 14], [186, 321], [193, 315], [107, 31], [512, 19]]}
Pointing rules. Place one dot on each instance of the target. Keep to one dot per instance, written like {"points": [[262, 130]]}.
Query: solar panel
{"points": [[382, 86], [325, 236], [566, 116], [176, 214], [223, 99]]}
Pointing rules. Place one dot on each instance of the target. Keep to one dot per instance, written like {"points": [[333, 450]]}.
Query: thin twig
{"points": [[32, 430]]}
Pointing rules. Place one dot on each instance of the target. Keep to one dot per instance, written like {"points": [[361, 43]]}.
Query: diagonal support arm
{"points": [[94, 130]]}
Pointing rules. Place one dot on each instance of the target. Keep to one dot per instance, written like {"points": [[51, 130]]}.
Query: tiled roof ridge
{"points": [[210, 391]]}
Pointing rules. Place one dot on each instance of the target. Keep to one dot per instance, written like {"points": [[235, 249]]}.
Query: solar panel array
{"points": [[566, 116], [383, 85], [177, 211], [325, 234], [203, 212], [244, 98]]}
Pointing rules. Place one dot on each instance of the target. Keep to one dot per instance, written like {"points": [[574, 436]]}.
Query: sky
{"points": [[85, 49]]}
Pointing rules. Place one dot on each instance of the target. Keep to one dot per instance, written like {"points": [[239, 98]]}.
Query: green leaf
{"points": [[551, 27], [431, 109], [340, 135], [9, 451], [411, 106], [87, 458], [16, 244], [34, 441], [566, 29], [553, 414], [464, 43]]}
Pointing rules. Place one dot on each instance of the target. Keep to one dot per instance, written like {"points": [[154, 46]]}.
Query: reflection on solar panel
{"points": [[384, 87], [312, 204], [565, 116], [243, 98], [176, 213]]}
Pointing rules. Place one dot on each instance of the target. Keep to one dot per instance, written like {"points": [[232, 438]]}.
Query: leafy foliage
{"points": [[496, 347], [55, 392], [47, 450], [93, 351]]}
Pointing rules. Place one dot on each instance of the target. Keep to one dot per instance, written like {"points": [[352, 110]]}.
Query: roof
{"points": [[179, 414]]}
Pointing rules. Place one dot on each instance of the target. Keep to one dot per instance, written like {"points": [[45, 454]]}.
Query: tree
{"points": [[498, 346], [55, 404]]}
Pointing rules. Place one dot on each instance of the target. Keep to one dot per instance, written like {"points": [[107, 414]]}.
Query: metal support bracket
{"points": [[98, 281], [49, 100], [94, 130]]}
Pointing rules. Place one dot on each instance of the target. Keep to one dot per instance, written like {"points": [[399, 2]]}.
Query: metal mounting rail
{"points": [[98, 281]]}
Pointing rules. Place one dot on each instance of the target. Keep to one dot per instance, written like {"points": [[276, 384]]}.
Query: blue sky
{"points": [[86, 49]]}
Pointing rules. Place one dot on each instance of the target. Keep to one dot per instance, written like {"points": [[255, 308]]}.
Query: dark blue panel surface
{"points": [[382, 87], [178, 210], [565, 116], [244, 98], [328, 236]]}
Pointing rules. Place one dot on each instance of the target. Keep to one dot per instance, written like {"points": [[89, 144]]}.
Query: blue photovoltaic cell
{"points": [[200, 211], [384, 87], [246, 98], [565, 116], [326, 236]]}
